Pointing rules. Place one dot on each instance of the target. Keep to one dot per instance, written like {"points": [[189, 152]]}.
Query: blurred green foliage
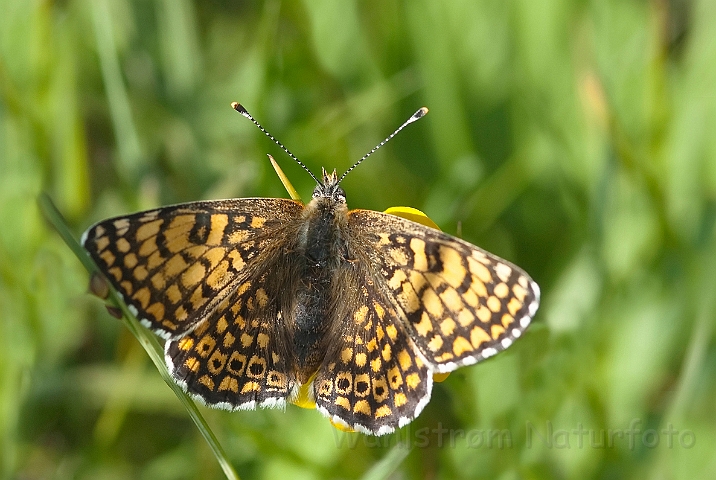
{"points": [[575, 138]]}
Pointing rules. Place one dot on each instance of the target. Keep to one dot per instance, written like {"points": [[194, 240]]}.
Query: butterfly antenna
{"points": [[416, 116], [240, 108]]}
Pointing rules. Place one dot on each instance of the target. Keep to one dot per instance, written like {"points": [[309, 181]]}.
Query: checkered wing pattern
{"points": [[372, 380], [458, 303], [175, 265]]}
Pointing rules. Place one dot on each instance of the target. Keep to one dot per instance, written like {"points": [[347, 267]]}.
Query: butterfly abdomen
{"points": [[320, 251]]}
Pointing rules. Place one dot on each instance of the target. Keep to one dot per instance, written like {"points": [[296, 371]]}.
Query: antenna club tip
{"points": [[423, 111], [239, 108]]}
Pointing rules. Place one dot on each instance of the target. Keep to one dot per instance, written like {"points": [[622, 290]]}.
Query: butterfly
{"points": [[259, 297]]}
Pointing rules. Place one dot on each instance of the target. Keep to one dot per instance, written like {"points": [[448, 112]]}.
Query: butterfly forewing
{"points": [[174, 265], [458, 303]]}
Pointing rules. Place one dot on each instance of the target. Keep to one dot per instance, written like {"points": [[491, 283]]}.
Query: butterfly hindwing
{"points": [[174, 265], [459, 303], [372, 379], [239, 358]]}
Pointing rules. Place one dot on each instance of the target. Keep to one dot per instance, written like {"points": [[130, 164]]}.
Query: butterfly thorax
{"points": [[322, 249]]}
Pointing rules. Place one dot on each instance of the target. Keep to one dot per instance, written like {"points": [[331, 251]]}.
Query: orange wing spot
{"points": [[360, 314], [501, 290], [121, 225], [251, 369], [154, 260], [432, 303], [159, 281], [376, 364], [229, 340], [444, 357], [425, 325], [214, 256], [347, 354], [246, 339], [236, 261], [514, 306], [383, 411], [185, 344], [174, 266], [169, 325], [362, 406], [101, 243], [140, 273], [519, 292], [216, 362], [229, 383], [398, 256], [478, 287], [361, 359], [127, 288], [173, 294], [257, 222], [436, 343], [507, 319], [236, 364], [405, 360], [192, 364], [142, 296], [196, 251], [108, 257], [420, 261], [451, 299], [177, 241], [197, 299], [216, 233], [193, 275], [238, 236], [262, 339], [400, 399], [180, 314], [130, 260], [221, 324], [123, 245], [460, 346], [397, 279], [116, 272], [496, 331], [147, 230], [494, 304], [205, 346], [343, 402], [465, 317], [395, 378], [148, 247], [379, 310], [392, 332], [412, 380], [478, 336], [484, 314], [386, 352], [207, 382], [409, 299], [447, 326], [453, 270], [480, 271], [156, 310], [277, 379], [251, 387], [261, 297]]}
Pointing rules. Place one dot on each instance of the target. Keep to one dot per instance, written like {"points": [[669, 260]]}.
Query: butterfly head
{"points": [[329, 188]]}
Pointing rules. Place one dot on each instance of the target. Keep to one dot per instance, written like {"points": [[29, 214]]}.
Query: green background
{"points": [[574, 138]]}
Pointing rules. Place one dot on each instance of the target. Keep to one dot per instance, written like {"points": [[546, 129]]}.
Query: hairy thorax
{"points": [[321, 251]]}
